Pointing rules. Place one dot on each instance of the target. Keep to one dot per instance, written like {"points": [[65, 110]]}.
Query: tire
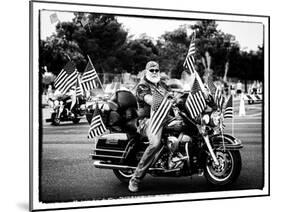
{"points": [[123, 175], [55, 120], [228, 170], [75, 120], [89, 117]]}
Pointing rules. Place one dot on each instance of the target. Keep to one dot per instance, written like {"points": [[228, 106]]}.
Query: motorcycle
{"points": [[61, 110], [190, 148]]}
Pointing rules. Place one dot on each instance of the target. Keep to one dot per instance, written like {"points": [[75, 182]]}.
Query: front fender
{"points": [[225, 141]]}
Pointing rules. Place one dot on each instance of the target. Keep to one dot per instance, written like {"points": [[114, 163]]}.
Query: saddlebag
{"points": [[112, 148]]}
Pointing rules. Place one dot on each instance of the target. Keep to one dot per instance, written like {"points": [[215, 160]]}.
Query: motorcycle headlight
{"points": [[206, 119], [83, 107], [56, 103], [215, 118], [105, 106]]}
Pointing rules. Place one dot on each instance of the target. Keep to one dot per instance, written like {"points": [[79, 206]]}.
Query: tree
{"points": [[113, 51], [173, 48], [102, 39], [56, 51], [137, 52]]}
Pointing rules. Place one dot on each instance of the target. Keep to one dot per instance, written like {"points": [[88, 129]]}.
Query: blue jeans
{"points": [[148, 156]]}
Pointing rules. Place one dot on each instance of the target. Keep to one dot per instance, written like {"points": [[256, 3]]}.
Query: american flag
{"points": [[66, 78], [195, 102], [228, 112], [215, 92], [159, 110], [79, 89], [219, 99], [89, 77], [97, 127], [54, 18], [189, 60]]}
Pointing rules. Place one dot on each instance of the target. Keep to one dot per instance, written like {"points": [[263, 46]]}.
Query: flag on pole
{"points": [[89, 77], [159, 110], [66, 78], [215, 92], [219, 99], [225, 70], [84, 21], [54, 18], [228, 112], [97, 127], [79, 89], [189, 60], [195, 102]]}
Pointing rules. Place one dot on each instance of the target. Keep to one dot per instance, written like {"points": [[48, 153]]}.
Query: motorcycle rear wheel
{"points": [[123, 175], [228, 169]]}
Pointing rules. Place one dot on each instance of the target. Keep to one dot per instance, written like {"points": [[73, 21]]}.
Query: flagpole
{"points": [[232, 118], [97, 73], [89, 28], [223, 144]]}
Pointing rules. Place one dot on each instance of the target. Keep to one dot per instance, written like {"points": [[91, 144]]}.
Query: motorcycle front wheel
{"points": [[89, 117], [123, 175], [228, 169], [75, 120], [55, 119]]}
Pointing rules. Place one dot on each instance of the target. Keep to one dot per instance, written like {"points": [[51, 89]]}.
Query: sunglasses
{"points": [[154, 70]]}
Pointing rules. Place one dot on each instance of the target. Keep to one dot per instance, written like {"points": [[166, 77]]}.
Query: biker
{"points": [[150, 81], [70, 94]]}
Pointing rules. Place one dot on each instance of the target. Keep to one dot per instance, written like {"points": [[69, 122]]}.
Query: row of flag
{"points": [[69, 77], [160, 109], [195, 102]]}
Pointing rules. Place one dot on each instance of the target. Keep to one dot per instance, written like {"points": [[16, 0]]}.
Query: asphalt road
{"points": [[67, 172]]}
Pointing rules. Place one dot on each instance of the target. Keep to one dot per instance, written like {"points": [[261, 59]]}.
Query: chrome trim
{"points": [[109, 150], [187, 155], [99, 164], [211, 151], [230, 142], [106, 156]]}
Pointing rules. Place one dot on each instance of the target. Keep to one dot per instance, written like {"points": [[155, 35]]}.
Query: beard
{"points": [[153, 78]]}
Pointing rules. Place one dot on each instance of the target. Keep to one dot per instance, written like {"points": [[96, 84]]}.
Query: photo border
{"points": [[34, 133]]}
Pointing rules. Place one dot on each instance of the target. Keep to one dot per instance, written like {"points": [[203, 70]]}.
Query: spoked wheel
{"points": [[124, 175], [55, 119], [89, 117], [228, 169], [75, 120]]}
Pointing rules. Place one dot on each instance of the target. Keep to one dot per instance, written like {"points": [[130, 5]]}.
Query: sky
{"points": [[249, 35]]}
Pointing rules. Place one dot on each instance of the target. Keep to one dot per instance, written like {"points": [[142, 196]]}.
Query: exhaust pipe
{"points": [[99, 164]]}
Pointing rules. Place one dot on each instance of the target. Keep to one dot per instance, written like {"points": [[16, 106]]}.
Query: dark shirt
{"points": [[146, 87]]}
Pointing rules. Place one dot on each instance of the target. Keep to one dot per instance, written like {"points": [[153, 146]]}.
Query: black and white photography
{"points": [[138, 105]]}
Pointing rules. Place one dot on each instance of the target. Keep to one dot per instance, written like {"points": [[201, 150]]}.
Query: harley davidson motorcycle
{"points": [[61, 110], [189, 148]]}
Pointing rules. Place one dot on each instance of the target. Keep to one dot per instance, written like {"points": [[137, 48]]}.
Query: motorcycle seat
{"points": [[123, 100], [131, 125]]}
